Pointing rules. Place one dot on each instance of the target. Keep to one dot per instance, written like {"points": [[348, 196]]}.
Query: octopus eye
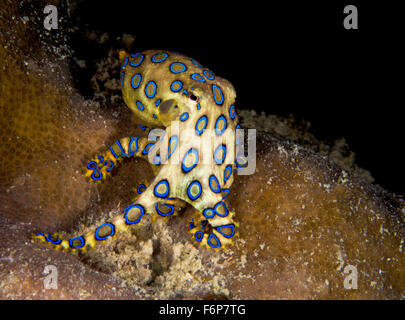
{"points": [[166, 105], [193, 97]]}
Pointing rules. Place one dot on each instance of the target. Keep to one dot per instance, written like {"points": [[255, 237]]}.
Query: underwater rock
{"points": [[307, 225]]}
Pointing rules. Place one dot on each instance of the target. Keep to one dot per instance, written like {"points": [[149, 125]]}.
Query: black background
{"points": [[289, 57]]}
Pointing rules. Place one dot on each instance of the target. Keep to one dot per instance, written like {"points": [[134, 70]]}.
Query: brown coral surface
{"points": [[306, 224]]}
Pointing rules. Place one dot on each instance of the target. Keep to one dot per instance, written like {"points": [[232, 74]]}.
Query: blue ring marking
{"points": [[134, 55], [183, 166], [197, 77], [238, 165], [78, 246], [227, 172], [40, 234], [93, 166], [48, 238], [162, 195], [178, 63], [184, 116], [195, 182], [220, 161], [192, 225], [185, 92], [206, 213], [130, 149], [212, 179], [198, 106], [196, 63], [142, 127], [123, 154], [103, 162], [221, 117], [220, 102], [127, 209], [162, 59], [139, 188], [155, 116], [111, 166], [122, 77], [148, 148], [173, 83], [170, 150], [158, 101], [227, 193], [111, 234], [219, 204], [131, 63], [124, 62], [140, 105], [216, 238], [232, 113], [232, 226], [205, 119], [208, 74], [156, 160], [164, 214], [237, 127], [138, 79], [154, 90], [204, 224], [100, 159], [198, 236]]}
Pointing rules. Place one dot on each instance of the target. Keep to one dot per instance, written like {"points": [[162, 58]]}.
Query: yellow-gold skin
{"points": [[193, 159]]}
